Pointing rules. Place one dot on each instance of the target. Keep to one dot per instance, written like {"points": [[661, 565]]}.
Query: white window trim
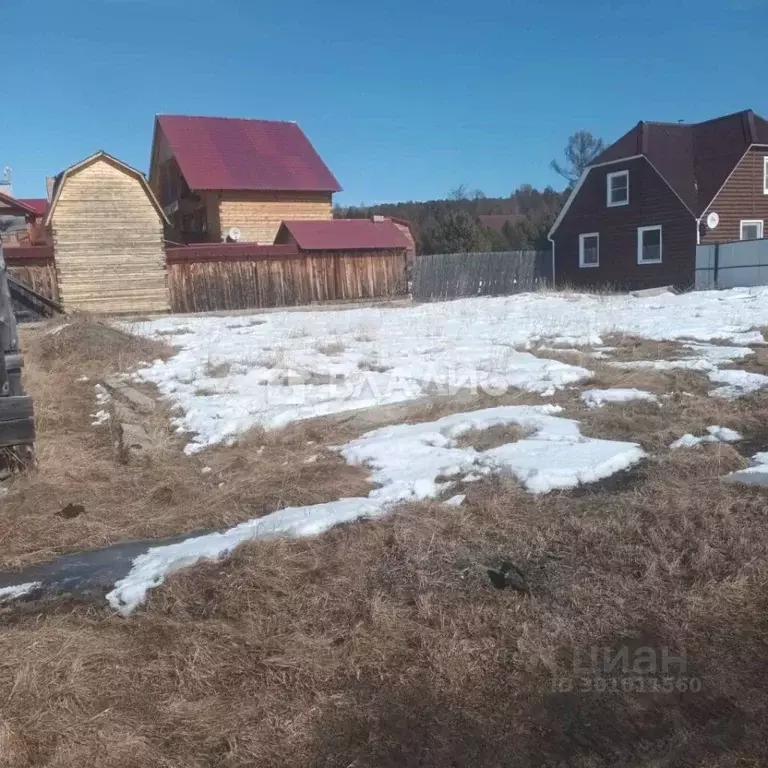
{"points": [[581, 250], [608, 180], [765, 175], [760, 228], [640, 231]]}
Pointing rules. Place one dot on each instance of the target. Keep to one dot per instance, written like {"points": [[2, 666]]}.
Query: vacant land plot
{"points": [[470, 634]]}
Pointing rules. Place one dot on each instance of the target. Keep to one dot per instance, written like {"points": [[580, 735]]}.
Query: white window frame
{"points": [[608, 179], [765, 175], [760, 228], [640, 232], [583, 237]]}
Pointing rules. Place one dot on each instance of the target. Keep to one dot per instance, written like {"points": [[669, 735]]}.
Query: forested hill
{"points": [[473, 222]]}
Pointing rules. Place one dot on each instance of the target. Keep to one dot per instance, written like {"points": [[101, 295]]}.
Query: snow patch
{"points": [[596, 398], [278, 376], [736, 383], [716, 435], [409, 462], [19, 590]]}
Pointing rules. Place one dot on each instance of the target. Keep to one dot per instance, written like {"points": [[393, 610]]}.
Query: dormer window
{"points": [[618, 188]]}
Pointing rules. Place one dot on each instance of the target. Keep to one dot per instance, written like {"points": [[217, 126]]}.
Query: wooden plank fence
{"points": [[222, 277], [17, 425], [453, 275]]}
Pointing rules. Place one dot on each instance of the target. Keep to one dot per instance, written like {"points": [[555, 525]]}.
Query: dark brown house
{"points": [[637, 213]]}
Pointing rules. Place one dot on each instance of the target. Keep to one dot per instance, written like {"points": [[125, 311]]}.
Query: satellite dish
{"points": [[235, 234], [713, 220]]}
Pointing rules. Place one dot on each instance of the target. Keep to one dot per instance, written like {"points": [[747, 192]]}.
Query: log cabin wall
{"points": [[108, 241], [258, 215], [224, 277]]}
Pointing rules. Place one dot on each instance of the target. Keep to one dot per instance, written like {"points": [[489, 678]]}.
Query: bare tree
{"points": [[581, 150], [461, 192]]}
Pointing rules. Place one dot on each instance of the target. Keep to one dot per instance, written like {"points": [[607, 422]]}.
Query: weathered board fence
{"points": [[17, 425], [452, 275], [739, 264], [210, 277], [35, 267]]}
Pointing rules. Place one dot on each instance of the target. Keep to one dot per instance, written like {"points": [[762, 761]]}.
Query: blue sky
{"points": [[403, 100]]}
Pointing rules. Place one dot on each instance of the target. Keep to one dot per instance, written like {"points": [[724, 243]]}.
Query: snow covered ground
{"points": [[409, 462], [234, 372]]}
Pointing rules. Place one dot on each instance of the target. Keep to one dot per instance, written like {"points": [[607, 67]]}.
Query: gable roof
{"points": [[240, 154], [101, 155], [345, 235], [11, 206], [695, 159], [38, 204]]}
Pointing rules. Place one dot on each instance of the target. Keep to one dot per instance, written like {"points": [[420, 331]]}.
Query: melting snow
{"points": [[19, 590], [716, 435], [596, 398], [385, 355], [409, 462], [756, 474]]}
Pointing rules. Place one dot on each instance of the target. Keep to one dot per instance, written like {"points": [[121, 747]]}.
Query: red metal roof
{"points": [[345, 235], [38, 204], [238, 154], [14, 207]]}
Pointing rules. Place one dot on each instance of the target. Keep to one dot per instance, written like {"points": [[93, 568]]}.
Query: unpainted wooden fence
{"points": [[213, 277], [453, 275], [740, 264]]}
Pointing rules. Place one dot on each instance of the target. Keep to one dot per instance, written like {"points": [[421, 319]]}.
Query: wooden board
{"points": [[287, 281], [108, 243]]}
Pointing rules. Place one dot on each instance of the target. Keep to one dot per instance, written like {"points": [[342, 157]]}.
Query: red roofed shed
{"points": [[343, 235]]}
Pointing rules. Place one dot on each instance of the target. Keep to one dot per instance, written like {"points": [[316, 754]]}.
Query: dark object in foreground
{"points": [[508, 576], [70, 511]]}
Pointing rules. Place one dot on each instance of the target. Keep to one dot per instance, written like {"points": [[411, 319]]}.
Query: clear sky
{"points": [[403, 100]]}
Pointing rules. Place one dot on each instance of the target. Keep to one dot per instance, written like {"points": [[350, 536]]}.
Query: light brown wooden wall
{"points": [[258, 214], [240, 283], [108, 242], [742, 197]]}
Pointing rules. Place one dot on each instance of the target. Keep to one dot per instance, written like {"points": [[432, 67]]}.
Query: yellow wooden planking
{"points": [[108, 243], [258, 215]]}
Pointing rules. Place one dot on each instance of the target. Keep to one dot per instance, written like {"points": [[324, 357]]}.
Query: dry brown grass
{"points": [[161, 496], [656, 426], [631, 347], [330, 348], [485, 439], [384, 644], [217, 370]]}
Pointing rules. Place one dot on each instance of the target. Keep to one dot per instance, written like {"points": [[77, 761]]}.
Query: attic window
{"points": [[618, 188]]}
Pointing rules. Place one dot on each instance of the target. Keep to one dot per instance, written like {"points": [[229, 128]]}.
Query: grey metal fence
{"points": [[452, 275], [732, 265]]}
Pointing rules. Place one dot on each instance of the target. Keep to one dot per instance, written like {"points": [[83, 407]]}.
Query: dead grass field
{"points": [[162, 496], [384, 643]]}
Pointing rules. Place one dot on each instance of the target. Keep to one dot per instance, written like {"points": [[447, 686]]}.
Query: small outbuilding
{"points": [[108, 237]]}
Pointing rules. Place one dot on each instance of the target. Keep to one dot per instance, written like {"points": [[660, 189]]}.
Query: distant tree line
{"points": [[455, 224]]}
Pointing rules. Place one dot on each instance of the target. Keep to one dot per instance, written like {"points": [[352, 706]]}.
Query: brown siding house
{"points": [[219, 176], [636, 214]]}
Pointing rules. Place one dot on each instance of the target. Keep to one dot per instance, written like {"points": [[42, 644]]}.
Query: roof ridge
{"points": [[221, 117]]}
